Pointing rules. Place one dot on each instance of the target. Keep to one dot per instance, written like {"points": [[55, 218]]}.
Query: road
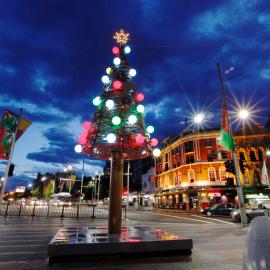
{"points": [[218, 242]]}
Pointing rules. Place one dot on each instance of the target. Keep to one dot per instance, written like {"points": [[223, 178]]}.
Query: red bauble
{"points": [[115, 50], [82, 140], [85, 132], [154, 142], [86, 125], [139, 139], [139, 97], [117, 85]]}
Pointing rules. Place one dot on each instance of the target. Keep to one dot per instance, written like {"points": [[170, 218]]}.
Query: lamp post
{"points": [[78, 149]]}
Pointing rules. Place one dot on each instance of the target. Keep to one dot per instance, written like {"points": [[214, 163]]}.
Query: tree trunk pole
{"points": [[116, 188]]}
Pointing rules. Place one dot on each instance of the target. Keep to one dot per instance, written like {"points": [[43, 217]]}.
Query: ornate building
{"points": [[191, 172]]}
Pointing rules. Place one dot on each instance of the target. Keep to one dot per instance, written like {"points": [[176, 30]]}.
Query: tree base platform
{"points": [[87, 243]]}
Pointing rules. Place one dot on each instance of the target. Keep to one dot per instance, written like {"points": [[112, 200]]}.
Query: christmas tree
{"points": [[117, 130], [118, 122]]}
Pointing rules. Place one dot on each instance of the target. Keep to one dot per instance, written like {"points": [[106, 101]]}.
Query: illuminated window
{"points": [[191, 176], [212, 174], [179, 178], [222, 173], [175, 179]]}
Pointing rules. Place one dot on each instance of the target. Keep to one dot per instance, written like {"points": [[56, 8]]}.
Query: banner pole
{"points": [[10, 158]]}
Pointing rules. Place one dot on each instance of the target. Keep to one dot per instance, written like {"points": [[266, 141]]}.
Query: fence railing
{"points": [[66, 210]]}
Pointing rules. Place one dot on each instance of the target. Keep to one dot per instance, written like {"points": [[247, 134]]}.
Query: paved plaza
{"points": [[218, 242]]}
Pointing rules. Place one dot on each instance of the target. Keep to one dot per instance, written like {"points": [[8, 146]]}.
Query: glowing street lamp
{"points": [[267, 153], [243, 114], [2, 179], [43, 178], [198, 118], [30, 185]]}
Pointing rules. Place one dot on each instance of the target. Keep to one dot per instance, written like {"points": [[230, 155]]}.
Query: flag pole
{"points": [[10, 158], [239, 189]]}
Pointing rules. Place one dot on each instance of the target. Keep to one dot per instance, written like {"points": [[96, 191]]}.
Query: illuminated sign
{"points": [[257, 196], [20, 189], [216, 194]]}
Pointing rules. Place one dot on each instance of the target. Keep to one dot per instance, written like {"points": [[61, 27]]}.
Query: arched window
{"points": [[179, 178], [222, 173], [212, 174], [260, 153], [175, 179], [191, 175], [252, 155]]}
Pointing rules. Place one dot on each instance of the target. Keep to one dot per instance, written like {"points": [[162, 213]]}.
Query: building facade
{"points": [[191, 172]]}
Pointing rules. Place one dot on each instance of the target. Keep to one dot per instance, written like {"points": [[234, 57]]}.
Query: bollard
{"points": [[6, 209], [93, 213], [256, 253], [62, 214], [20, 210], [78, 209], [33, 214]]}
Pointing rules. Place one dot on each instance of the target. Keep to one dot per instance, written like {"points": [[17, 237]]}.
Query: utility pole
{"points": [[238, 184]]}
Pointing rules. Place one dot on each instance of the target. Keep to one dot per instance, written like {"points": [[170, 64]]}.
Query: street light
{"points": [[198, 118], [267, 153], [43, 178], [243, 114], [78, 149], [30, 185], [2, 179]]}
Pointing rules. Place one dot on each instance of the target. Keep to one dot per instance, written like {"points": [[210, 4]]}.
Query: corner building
{"points": [[191, 174]]}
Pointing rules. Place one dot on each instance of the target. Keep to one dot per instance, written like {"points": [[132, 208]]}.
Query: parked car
{"points": [[252, 211], [218, 209]]}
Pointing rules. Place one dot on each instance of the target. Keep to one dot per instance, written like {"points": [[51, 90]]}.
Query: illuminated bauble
{"points": [[78, 148], [156, 152], [105, 79], [85, 132], [115, 50], [154, 142], [86, 125], [139, 139], [140, 108], [108, 70], [132, 72], [139, 97], [150, 129], [82, 140], [117, 61], [97, 101], [116, 120], [127, 50], [111, 138], [117, 85], [109, 104], [132, 119]]}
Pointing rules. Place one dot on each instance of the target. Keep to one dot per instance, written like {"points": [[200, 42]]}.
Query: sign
{"points": [[216, 194], [20, 189], [257, 196], [8, 125]]}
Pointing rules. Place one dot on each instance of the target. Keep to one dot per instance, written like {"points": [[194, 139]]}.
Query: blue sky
{"points": [[54, 53]]}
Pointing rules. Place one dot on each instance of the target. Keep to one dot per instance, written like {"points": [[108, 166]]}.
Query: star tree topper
{"points": [[121, 37]]}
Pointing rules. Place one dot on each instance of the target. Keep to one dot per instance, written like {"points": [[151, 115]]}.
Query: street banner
{"points": [[265, 177], [8, 125]]}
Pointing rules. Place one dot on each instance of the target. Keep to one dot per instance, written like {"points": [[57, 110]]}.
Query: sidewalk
{"points": [[151, 208]]}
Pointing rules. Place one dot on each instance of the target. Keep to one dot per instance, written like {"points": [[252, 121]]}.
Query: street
{"points": [[218, 242]]}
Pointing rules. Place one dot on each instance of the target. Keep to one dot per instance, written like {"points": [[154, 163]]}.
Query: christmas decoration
{"points": [[118, 122]]}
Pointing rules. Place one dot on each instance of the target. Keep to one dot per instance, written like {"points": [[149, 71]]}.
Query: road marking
{"points": [[183, 218], [222, 221]]}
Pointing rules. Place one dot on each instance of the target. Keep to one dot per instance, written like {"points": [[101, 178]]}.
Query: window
{"points": [[260, 154], [188, 146], [222, 173], [212, 174], [189, 159], [175, 179], [242, 155], [208, 142], [179, 178], [252, 155], [191, 176]]}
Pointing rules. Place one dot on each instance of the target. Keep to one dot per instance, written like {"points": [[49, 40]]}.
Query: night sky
{"points": [[54, 53]]}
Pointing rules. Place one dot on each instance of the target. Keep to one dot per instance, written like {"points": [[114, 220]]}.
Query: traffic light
{"points": [[11, 169], [229, 165]]}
